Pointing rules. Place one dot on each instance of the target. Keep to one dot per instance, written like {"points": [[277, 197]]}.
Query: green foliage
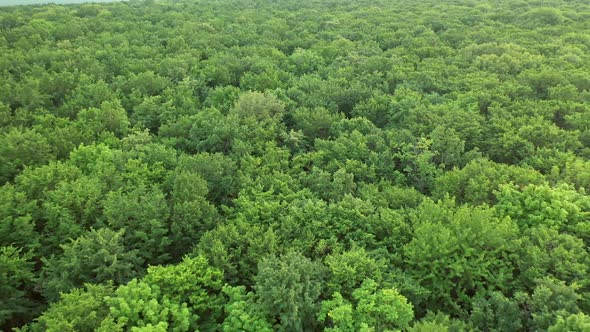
{"points": [[208, 131], [417, 162], [349, 269], [496, 313], [546, 252], [82, 309], [448, 147], [70, 209], [377, 109], [394, 197], [142, 213], [218, 170], [259, 107], [314, 123], [459, 254], [575, 172], [242, 312], [552, 299], [16, 223], [194, 283], [574, 323], [479, 179], [151, 113], [20, 148], [559, 208], [191, 214], [339, 314], [434, 322], [288, 288], [373, 310], [236, 248], [384, 309], [544, 16], [252, 164], [111, 117], [16, 281], [99, 256], [141, 305]]}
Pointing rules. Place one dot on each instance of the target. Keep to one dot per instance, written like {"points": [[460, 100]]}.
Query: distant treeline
{"points": [[57, 2]]}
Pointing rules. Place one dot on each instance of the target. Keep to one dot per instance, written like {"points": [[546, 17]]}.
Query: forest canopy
{"points": [[295, 165]]}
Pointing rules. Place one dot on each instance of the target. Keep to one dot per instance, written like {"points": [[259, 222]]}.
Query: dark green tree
{"points": [[288, 290]]}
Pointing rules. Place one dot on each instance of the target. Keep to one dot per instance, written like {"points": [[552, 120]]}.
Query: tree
{"points": [[191, 214], [448, 148], [477, 182], [258, 106], [195, 284], [141, 305], [218, 170], [222, 98], [242, 312], [417, 164], [315, 123], [546, 252], [111, 117], [152, 112], [98, 256], [496, 313], [210, 131], [82, 309], [574, 323], [17, 227], [377, 109], [305, 61], [349, 269], [460, 254], [295, 150], [16, 286], [552, 299], [558, 208], [143, 214], [288, 290], [373, 309], [70, 209], [236, 248], [20, 148], [435, 322]]}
